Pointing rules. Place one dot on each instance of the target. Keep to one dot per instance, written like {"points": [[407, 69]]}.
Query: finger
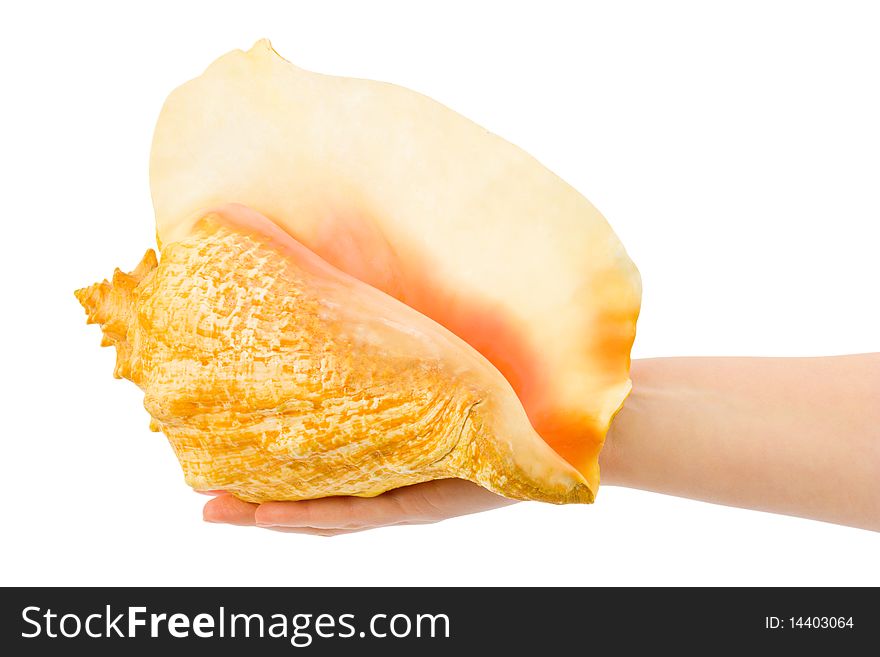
{"points": [[342, 512], [229, 509], [314, 531]]}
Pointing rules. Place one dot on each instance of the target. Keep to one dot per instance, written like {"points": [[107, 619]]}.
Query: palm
{"points": [[411, 505]]}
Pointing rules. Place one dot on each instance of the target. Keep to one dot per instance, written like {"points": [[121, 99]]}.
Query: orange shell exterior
{"points": [[275, 376]]}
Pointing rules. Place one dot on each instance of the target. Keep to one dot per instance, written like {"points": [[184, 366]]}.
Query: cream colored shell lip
{"points": [[276, 376], [417, 201]]}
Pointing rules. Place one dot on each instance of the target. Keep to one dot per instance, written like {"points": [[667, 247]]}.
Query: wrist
{"points": [[609, 456], [615, 459]]}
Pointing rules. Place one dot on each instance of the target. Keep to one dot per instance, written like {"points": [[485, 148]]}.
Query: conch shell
{"points": [[361, 289], [276, 376]]}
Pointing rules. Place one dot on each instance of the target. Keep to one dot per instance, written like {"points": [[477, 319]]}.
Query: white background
{"points": [[734, 148]]}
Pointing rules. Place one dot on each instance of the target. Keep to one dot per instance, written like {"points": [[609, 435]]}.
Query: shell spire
{"points": [[109, 304]]}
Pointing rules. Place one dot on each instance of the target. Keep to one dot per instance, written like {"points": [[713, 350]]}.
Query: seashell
{"points": [[360, 289], [276, 376]]}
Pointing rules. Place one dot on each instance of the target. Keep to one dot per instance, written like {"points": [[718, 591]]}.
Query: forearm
{"points": [[799, 436]]}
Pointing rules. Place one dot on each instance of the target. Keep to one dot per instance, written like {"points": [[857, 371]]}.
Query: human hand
{"points": [[419, 504]]}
